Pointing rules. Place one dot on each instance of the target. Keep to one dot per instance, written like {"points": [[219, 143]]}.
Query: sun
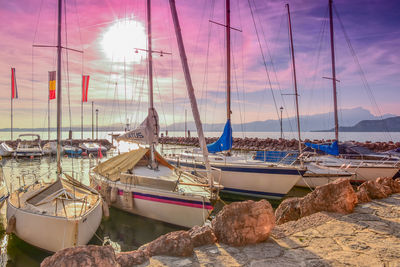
{"points": [[121, 38]]}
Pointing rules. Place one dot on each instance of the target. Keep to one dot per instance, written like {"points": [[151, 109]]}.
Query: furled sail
{"points": [[332, 149], [146, 133], [224, 142]]}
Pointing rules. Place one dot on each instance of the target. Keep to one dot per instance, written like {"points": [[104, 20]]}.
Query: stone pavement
{"points": [[368, 237]]}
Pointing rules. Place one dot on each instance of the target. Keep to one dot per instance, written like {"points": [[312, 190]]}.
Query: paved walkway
{"points": [[368, 237]]}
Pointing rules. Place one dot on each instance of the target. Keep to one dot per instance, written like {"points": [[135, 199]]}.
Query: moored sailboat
{"points": [[58, 215], [144, 183], [241, 175]]}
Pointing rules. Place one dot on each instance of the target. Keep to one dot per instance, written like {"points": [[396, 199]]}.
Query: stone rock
{"points": [[202, 236], [394, 185], [82, 256], [127, 259], [363, 196], [337, 196], [178, 244], [288, 210], [242, 223], [374, 189]]}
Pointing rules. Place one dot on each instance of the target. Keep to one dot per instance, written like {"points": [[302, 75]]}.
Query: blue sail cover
{"points": [[332, 149], [224, 142]]}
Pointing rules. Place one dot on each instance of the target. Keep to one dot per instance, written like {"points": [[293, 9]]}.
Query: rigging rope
{"points": [[361, 72], [264, 60]]}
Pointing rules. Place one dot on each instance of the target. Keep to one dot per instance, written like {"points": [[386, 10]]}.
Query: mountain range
{"points": [[316, 122]]}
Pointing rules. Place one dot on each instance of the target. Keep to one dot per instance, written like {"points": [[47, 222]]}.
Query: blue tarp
{"points": [[332, 149], [224, 142]]}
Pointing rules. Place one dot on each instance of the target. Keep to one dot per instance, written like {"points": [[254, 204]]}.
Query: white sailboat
{"points": [[58, 215], [143, 183], [241, 175], [364, 170]]}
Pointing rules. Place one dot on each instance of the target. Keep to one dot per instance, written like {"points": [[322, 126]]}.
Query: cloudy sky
{"points": [[108, 31]]}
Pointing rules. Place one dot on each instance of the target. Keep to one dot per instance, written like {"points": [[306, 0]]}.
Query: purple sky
{"points": [[373, 29]]}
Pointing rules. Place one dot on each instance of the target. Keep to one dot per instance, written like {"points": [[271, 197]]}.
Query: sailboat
{"points": [[315, 175], [142, 182], [58, 215], [364, 169], [241, 175]]}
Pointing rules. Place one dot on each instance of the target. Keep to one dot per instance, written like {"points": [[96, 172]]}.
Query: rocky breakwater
{"points": [[324, 228], [238, 224], [251, 144]]}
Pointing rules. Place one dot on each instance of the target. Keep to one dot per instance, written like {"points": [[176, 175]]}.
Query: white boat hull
{"points": [[169, 207], [53, 233], [369, 173], [260, 180]]}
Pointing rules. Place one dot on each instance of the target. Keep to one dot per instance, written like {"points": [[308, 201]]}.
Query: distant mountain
{"points": [[386, 125], [347, 117]]}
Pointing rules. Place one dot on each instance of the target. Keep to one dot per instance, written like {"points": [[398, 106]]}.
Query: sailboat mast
{"points": [[333, 71], [189, 86], [294, 77], [150, 65], [59, 102], [228, 59]]}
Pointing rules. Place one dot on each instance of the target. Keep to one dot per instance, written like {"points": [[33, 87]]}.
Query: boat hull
{"points": [[165, 206], [53, 233], [252, 180]]}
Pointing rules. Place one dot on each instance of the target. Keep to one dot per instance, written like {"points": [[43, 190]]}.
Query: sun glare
{"points": [[121, 39]]}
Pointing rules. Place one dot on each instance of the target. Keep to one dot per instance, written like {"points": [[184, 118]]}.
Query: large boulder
{"points": [[202, 236], [178, 243], [242, 223], [82, 256], [288, 210], [131, 258], [362, 195], [374, 189], [337, 196]]}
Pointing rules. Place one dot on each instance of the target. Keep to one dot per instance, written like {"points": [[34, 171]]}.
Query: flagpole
{"points": [[11, 115], [48, 113], [82, 114]]}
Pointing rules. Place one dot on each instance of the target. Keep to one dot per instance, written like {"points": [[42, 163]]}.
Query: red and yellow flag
{"points": [[85, 87], [52, 85], [14, 91]]}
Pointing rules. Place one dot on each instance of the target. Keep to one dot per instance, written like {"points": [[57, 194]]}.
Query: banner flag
{"points": [[85, 87], [14, 91], [52, 85]]}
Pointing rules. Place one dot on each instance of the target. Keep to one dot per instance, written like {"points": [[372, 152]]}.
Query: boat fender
{"points": [[106, 210], [11, 225], [114, 194]]}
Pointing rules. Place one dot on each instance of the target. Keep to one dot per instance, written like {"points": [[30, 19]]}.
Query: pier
{"points": [[368, 237]]}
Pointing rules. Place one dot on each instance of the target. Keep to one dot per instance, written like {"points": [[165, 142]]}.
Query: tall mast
{"points": [[150, 64], [59, 102], [294, 77], [333, 72], [189, 86], [228, 59]]}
